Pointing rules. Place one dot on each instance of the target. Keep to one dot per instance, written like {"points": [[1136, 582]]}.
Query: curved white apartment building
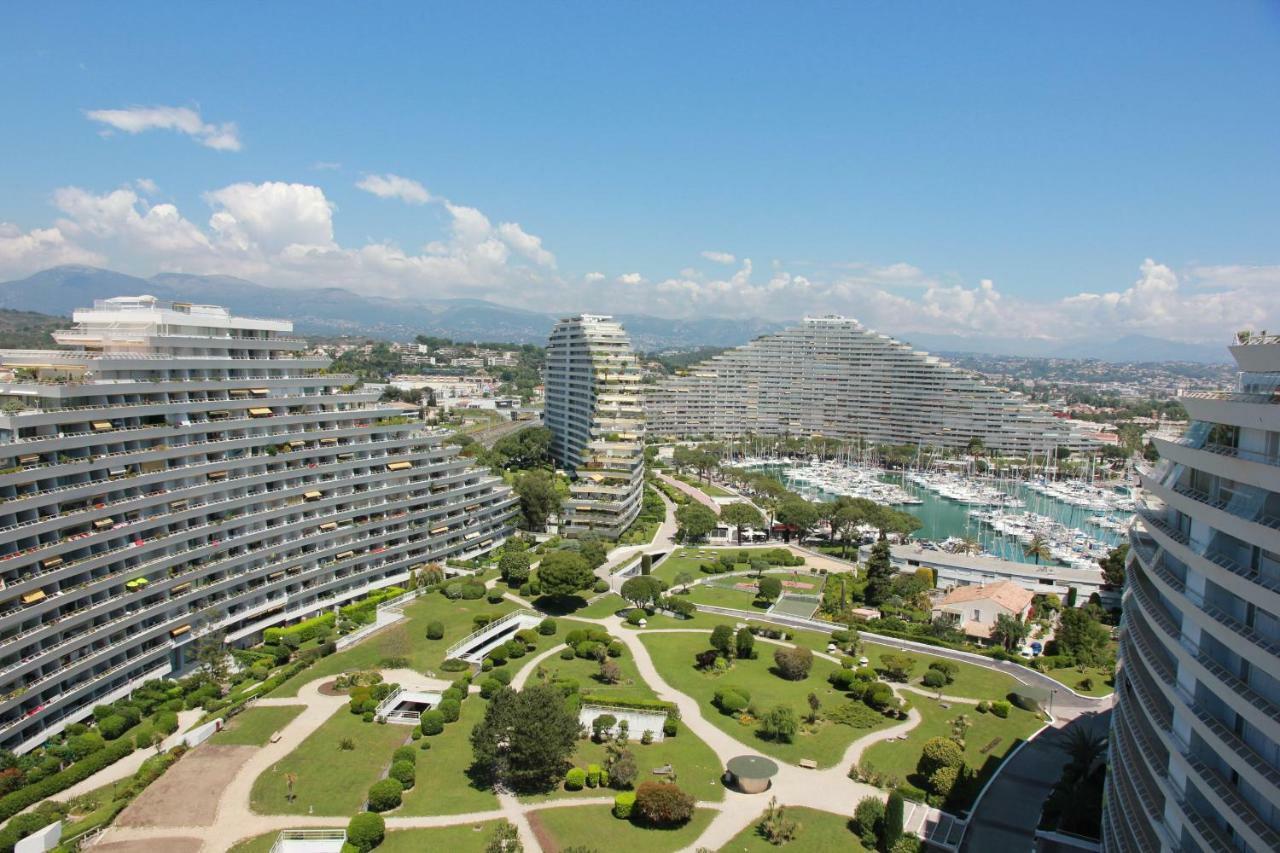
{"points": [[1195, 736], [176, 470], [831, 376], [595, 412]]}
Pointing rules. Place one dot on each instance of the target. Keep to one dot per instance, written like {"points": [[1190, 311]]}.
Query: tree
{"points": [[744, 643], [1083, 747], [769, 588], [663, 804], [722, 640], [694, 521], [1113, 565], [815, 704], [610, 672], [514, 566], [525, 738], [1082, 637], [1009, 631], [892, 829], [211, 654], [793, 663], [898, 667], [939, 752], [538, 498], [505, 838], [683, 580], [880, 573], [642, 590], [741, 515], [564, 573], [528, 448], [779, 723], [846, 515], [1038, 548], [869, 817], [798, 513]]}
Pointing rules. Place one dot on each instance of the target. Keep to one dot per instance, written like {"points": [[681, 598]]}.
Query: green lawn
{"points": [[585, 671], [972, 681], [722, 596], [443, 785], [706, 488], [684, 560], [464, 838], [899, 757], [331, 781], [673, 655], [819, 831], [606, 605], [697, 769], [255, 726], [595, 828], [406, 638]]}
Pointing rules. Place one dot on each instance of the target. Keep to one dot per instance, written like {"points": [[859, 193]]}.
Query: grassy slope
{"points": [[443, 785], [255, 726], [819, 831], [465, 838], [595, 828]]}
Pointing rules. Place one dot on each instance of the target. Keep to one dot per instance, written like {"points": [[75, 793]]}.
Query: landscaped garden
{"points": [[815, 830], [596, 828], [255, 726], [464, 838], [763, 690], [446, 787], [331, 770]]}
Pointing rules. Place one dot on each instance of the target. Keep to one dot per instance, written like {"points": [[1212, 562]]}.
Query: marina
{"points": [[1077, 522]]}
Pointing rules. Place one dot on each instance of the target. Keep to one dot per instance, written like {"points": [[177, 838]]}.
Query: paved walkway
{"points": [[692, 491]]}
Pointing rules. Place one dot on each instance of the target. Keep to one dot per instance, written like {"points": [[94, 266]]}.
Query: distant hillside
{"points": [[28, 329], [334, 311]]}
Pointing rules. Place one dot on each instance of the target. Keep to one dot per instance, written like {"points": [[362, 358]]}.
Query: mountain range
{"points": [[336, 311]]}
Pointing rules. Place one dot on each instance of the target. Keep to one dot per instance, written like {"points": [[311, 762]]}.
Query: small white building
{"points": [[638, 721], [974, 609]]}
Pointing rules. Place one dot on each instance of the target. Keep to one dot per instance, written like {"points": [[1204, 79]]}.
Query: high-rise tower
{"points": [[175, 471], [1195, 735], [595, 413]]}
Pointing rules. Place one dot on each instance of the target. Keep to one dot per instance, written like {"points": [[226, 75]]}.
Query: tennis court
{"points": [[794, 604]]}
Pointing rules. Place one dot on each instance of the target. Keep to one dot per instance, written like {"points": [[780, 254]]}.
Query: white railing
{"points": [[489, 629], [337, 836]]}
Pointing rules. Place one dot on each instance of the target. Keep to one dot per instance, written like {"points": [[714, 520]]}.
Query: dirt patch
{"points": [[327, 689], [150, 845], [187, 794], [546, 840]]}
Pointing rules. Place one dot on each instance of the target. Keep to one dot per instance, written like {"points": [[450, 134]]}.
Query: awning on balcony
{"points": [[329, 525], [136, 583], [259, 412], [296, 443], [102, 426], [217, 475], [275, 575], [218, 415], [51, 563], [471, 536], [29, 459], [179, 589], [328, 442], [259, 392], [238, 392], [312, 496], [345, 555], [399, 466], [179, 504], [179, 631], [437, 530], [104, 523]]}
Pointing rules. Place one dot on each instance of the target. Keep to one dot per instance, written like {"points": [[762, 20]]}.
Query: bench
{"points": [[808, 764], [994, 742], [664, 770], [275, 738]]}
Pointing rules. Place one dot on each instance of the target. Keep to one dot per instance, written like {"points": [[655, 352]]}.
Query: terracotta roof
{"points": [[1007, 594]]}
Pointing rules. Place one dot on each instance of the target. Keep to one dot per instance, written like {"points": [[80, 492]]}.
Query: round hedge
{"points": [[385, 795], [623, 804], [432, 722], [365, 831]]}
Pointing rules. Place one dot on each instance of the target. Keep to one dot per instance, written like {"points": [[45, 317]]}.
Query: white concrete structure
{"points": [[42, 840], [390, 709], [638, 721], [1195, 737], [177, 470], [310, 841], [952, 570], [595, 412], [473, 647], [831, 376]]}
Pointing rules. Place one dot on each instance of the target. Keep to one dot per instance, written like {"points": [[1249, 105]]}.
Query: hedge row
{"points": [[362, 611], [307, 629], [11, 804], [668, 708]]}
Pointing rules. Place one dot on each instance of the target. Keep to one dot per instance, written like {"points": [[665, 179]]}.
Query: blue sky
{"points": [[877, 159]]}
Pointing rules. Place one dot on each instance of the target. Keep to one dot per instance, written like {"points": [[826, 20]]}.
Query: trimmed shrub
{"points": [[984, 706], [403, 772], [615, 649], [938, 752], [575, 779], [365, 831], [793, 664], [867, 817], [1026, 703], [892, 830], [623, 804], [432, 722], [1000, 708], [567, 654], [501, 675], [547, 627], [114, 726], [601, 585], [494, 596], [455, 665], [593, 775], [663, 804], [385, 795], [489, 686], [635, 616], [729, 701], [933, 679], [450, 710]]}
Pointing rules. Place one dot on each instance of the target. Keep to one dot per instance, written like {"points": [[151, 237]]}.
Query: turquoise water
{"points": [[943, 518]]}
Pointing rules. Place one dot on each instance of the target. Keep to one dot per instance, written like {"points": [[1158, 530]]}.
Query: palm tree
{"points": [[1038, 547], [1084, 745], [290, 779]]}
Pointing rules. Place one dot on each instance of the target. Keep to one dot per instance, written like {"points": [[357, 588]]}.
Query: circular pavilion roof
{"points": [[752, 767]]}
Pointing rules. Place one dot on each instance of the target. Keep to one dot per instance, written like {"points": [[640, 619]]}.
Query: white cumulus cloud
{"points": [[394, 186], [134, 120], [719, 257]]}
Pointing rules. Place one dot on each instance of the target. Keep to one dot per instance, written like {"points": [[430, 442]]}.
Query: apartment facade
{"points": [[595, 412], [176, 471], [831, 376], [1195, 735]]}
